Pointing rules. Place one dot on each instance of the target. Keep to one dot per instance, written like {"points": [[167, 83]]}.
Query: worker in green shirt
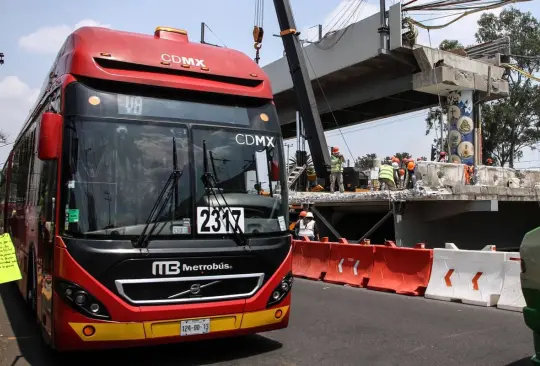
{"points": [[386, 176], [336, 170]]}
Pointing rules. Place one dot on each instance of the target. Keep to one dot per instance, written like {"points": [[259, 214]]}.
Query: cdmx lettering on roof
{"points": [[182, 60]]}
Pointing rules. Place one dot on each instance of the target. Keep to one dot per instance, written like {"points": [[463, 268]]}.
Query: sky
{"points": [[32, 32]]}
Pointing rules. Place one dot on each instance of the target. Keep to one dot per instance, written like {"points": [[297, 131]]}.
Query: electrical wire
{"points": [[464, 14], [7, 144], [211, 31], [344, 11], [525, 57], [521, 71], [343, 31], [327, 102], [374, 124]]}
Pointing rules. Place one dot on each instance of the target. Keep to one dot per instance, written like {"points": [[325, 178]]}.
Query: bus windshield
{"points": [[115, 169], [247, 174], [116, 172]]}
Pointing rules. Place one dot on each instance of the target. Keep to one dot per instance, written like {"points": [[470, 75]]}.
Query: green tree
{"points": [[400, 156], [365, 162], [512, 124], [450, 44]]}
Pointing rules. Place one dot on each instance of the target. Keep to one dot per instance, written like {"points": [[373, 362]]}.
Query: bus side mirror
{"points": [[49, 136]]}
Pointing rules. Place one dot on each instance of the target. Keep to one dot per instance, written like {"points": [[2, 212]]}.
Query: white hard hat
{"points": [[395, 165], [309, 214]]}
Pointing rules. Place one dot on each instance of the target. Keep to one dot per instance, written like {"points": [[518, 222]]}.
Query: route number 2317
{"points": [[216, 220]]}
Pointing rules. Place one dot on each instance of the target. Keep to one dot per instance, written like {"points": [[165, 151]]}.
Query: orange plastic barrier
{"points": [[350, 264], [310, 258], [401, 270], [299, 263]]}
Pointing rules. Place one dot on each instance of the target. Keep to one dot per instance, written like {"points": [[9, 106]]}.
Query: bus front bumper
{"points": [[103, 335]]}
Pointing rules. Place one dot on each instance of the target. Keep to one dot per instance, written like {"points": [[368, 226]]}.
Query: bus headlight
{"points": [[81, 300], [281, 290]]}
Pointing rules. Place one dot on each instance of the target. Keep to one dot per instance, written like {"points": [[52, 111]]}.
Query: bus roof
{"points": [[167, 58]]}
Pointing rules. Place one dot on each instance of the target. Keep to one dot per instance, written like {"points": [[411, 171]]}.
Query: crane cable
{"points": [[258, 32]]}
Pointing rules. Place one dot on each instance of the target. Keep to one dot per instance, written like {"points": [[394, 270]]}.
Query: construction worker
{"points": [[411, 177], [386, 177], [308, 227], [336, 170], [295, 226]]}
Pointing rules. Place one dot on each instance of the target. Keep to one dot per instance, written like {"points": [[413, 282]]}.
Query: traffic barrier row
{"points": [[478, 277], [377, 267]]}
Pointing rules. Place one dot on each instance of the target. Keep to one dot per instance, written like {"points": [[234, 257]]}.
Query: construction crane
{"points": [[307, 103]]}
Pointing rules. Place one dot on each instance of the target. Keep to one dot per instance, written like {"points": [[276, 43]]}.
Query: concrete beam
{"points": [[428, 57], [356, 43], [347, 97], [459, 207], [445, 79]]}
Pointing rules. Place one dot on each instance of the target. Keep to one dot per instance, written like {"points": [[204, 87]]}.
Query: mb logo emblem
{"points": [[166, 268]]}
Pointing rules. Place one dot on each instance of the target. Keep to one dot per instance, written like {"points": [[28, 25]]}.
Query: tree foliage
{"points": [[512, 124], [365, 162], [3, 137], [450, 44]]}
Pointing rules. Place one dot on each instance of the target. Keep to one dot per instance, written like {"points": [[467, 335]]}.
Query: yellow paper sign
{"points": [[9, 268]]}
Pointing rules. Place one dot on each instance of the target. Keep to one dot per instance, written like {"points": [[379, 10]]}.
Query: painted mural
{"points": [[461, 127]]}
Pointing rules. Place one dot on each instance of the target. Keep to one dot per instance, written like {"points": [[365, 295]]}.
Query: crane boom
{"points": [[307, 103]]}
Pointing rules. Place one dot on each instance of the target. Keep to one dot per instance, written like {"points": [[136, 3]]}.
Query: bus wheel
{"points": [[31, 282]]}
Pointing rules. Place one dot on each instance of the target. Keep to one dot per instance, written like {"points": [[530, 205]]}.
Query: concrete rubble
{"points": [[444, 181]]}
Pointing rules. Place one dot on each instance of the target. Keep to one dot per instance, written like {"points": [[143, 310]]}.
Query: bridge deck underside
{"points": [[376, 88]]}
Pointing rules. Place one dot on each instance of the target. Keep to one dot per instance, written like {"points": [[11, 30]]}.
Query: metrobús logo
{"points": [[169, 268]]}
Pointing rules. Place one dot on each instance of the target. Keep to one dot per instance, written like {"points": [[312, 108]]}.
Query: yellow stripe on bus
{"points": [[171, 328]]}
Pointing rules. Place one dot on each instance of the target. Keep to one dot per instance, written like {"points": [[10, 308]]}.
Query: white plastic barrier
{"points": [[511, 294], [470, 276]]}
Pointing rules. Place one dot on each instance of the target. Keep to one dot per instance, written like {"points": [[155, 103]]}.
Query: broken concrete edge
{"points": [[445, 175], [463, 193], [447, 79], [427, 58]]}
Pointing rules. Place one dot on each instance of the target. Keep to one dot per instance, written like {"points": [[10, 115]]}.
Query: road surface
{"points": [[330, 325]]}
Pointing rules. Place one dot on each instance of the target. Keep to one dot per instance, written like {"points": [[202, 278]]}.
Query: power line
{"points": [[374, 124], [7, 144], [327, 102], [211, 31]]}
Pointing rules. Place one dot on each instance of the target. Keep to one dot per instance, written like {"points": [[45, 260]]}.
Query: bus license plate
{"points": [[192, 327]]}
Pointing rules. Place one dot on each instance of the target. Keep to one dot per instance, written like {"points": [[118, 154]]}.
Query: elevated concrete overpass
{"points": [[363, 82]]}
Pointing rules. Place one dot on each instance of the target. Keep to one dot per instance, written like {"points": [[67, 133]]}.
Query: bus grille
{"points": [[172, 290]]}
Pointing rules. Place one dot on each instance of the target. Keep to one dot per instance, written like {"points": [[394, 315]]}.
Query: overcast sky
{"points": [[33, 31]]}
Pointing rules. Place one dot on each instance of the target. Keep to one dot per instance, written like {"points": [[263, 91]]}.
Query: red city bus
{"points": [[146, 194]]}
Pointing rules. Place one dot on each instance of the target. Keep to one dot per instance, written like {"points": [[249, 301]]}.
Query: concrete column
{"points": [[461, 127]]}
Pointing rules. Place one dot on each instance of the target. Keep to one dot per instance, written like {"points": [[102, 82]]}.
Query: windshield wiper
{"points": [[142, 241], [210, 184]]}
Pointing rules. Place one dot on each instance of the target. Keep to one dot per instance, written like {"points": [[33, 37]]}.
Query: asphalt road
{"points": [[330, 325]]}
